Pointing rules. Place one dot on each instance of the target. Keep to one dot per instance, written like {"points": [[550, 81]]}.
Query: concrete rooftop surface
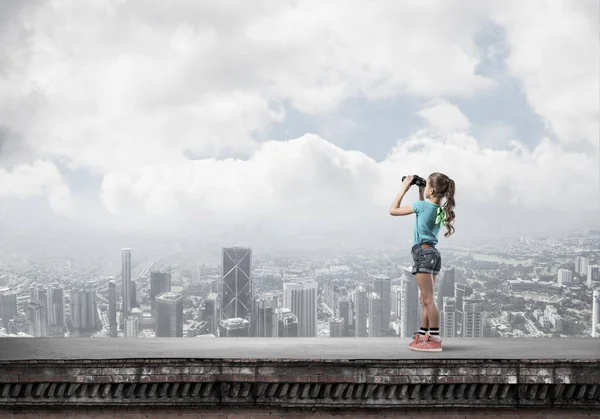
{"points": [[14, 349]]}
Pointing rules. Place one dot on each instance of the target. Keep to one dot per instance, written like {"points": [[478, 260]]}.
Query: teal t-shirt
{"points": [[426, 228]]}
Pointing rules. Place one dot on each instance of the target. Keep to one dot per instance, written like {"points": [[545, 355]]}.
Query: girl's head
{"points": [[441, 186]]}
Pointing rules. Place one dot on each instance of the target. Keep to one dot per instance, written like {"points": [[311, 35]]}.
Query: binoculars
{"points": [[419, 181]]}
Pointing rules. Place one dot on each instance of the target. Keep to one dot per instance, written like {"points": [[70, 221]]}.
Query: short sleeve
{"points": [[417, 207]]}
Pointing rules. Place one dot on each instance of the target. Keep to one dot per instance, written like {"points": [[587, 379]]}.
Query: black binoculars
{"points": [[419, 181]]}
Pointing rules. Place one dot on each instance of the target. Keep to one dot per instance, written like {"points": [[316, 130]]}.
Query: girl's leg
{"points": [[425, 282], [424, 315]]}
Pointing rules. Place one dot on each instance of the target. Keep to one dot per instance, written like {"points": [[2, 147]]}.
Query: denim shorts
{"points": [[426, 260]]}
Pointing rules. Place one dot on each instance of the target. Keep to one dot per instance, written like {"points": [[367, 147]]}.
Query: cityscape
{"points": [[534, 287]]}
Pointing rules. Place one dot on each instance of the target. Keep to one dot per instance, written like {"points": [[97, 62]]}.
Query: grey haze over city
{"points": [[268, 139]]}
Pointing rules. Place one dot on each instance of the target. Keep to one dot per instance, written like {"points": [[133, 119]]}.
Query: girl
{"points": [[427, 261]]}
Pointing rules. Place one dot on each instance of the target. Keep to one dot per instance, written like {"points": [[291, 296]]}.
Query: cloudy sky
{"points": [[298, 115]]}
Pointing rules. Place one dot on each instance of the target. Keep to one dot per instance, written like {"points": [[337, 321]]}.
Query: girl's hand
{"points": [[407, 183]]}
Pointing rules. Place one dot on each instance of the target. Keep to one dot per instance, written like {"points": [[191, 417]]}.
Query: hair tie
{"points": [[440, 216]]}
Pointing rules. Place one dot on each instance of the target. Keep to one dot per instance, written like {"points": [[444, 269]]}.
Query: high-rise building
{"points": [[382, 285], [581, 265], [264, 319], [361, 312], [461, 292], [160, 282], [346, 312], [8, 306], [236, 283], [336, 327], [169, 315], [112, 307], [474, 318], [396, 300], [448, 318], [210, 313], [593, 275], [301, 299], [565, 276], [595, 312], [126, 282], [37, 315], [445, 286], [375, 314], [132, 327], [84, 310], [231, 328], [410, 316], [56, 310], [287, 323], [133, 295]]}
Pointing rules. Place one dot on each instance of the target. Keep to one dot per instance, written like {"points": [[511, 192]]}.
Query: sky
{"points": [[298, 117]]}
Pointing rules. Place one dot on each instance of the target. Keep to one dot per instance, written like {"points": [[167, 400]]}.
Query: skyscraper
{"points": [[564, 276], [595, 312], [37, 315], [84, 311], [287, 323], [336, 327], [236, 327], [581, 265], [445, 286], [301, 298], [56, 310], [264, 319], [396, 300], [236, 265], [593, 275], [461, 292], [375, 314], [169, 315], [474, 318], [160, 282], [210, 313], [8, 306], [410, 306], [346, 312], [112, 307], [126, 281], [131, 327], [382, 285], [361, 312], [448, 318]]}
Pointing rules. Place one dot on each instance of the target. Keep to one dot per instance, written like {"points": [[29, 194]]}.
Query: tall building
{"points": [[581, 265], [448, 318], [8, 306], [301, 299], [564, 276], [132, 328], [410, 316], [112, 307], [133, 295], [382, 285], [593, 275], [264, 319], [375, 314], [474, 318], [445, 286], [37, 315], [287, 323], [169, 315], [234, 328], [160, 282], [37, 311], [126, 282], [236, 283], [84, 310], [210, 313], [396, 300], [361, 312], [595, 312], [346, 312], [336, 327], [56, 310], [461, 292]]}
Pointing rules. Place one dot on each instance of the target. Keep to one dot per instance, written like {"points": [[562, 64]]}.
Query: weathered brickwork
{"points": [[294, 384]]}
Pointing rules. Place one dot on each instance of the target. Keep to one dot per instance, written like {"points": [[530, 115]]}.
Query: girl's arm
{"points": [[396, 208], [421, 193]]}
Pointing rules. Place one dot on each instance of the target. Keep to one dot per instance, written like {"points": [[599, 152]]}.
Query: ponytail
{"points": [[449, 208]]}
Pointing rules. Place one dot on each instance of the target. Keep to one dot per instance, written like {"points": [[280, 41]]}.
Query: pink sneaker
{"points": [[416, 340], [428, 344]]}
